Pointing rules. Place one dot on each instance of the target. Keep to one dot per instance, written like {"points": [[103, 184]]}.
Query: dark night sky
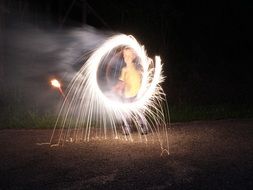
{"points": [[205, 45]]}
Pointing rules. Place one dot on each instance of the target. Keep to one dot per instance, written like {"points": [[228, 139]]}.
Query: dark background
{"points": [[205, 45], [206, 48]]}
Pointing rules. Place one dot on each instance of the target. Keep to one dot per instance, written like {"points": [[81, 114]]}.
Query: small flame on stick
{"points": [[57, 84]]}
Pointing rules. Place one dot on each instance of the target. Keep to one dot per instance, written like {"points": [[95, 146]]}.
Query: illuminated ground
{"points": [[204, 155]]}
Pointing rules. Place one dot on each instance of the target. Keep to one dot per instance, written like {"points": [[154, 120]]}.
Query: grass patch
{"points": [[26, 119], [16, 113], [16, 118], [182, 113]]}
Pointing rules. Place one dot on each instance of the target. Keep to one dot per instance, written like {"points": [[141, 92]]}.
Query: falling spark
{"points": [[89, 110], [57, 84]]}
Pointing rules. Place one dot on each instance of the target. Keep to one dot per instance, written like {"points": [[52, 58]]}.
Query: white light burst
{"points": [[88, 112]]}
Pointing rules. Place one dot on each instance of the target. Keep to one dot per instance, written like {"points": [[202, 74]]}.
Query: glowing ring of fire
{"points": [[147, 89], [85, 105]]}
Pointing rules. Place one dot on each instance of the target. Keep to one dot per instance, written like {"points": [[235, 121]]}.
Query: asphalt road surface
{"points": [[203, 155]]}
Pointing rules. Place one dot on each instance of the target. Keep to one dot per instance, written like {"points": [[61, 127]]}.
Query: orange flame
{"points": [[55, 83]]}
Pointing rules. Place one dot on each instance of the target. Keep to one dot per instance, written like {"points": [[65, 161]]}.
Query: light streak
{"points": [[88, 110]]}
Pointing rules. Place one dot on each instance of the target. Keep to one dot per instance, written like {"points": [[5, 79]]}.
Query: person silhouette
{"points": [[128, 86]]}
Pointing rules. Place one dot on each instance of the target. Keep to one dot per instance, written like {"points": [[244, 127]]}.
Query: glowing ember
{"points": [[55, 83]]}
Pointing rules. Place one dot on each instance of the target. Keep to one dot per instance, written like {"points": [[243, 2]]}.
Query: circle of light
{"points": [[85, 102], [147, 88]]}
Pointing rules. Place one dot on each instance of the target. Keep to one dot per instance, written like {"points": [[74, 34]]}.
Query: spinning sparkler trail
{"points": [[92, 108]]}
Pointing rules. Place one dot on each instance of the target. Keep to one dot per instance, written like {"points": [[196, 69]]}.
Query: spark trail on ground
{"points": [[90, 110]]}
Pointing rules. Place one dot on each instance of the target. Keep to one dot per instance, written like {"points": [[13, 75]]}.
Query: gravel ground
{"points": [[203, 155]]}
